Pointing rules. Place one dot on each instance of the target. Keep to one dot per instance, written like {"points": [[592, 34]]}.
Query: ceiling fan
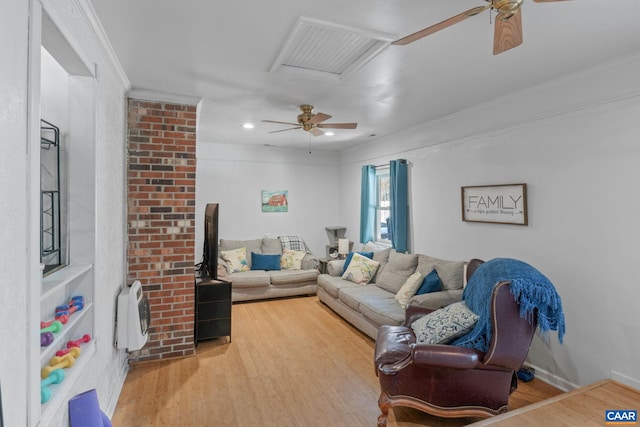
{"points": [[507, 30], [312, 122]]}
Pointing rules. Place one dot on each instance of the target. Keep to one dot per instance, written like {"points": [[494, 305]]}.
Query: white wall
{"points": [[574, 142], [234, 177], [105, 370], [13, 209]]}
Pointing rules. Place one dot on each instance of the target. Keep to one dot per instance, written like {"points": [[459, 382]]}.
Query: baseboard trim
{"points": [[625, 379], [554, 380], [566, 386], [110, 409]]}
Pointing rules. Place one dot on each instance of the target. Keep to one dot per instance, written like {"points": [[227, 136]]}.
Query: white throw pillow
{"points": [[409, 289], [291, 260], [361, 269], [444, 325], [235, 260]]}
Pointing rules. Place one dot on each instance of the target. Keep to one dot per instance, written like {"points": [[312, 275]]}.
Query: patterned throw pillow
{"points": [[361, 269], [409, 289], [291, 260], [444, 325], [294, 243], [235, 260], [347, 260]]}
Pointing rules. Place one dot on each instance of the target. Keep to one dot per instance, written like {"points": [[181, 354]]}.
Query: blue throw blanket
{"points": [[529, 287]]}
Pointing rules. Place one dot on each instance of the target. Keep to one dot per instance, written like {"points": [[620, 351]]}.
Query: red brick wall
{"points": [[161, 181]]}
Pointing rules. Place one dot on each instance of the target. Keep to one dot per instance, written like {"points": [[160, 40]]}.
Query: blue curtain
{"points": [[399, 204], [368, 204]]}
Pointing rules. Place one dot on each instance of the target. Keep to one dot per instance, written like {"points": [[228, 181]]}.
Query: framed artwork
{"points": [[502, 204], [275, 201]]}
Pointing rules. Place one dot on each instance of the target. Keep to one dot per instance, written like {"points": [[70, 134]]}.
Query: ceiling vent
{"points": [[323, 49]]}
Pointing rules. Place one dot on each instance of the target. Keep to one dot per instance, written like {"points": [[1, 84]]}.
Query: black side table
{"points": [[213, 309]]}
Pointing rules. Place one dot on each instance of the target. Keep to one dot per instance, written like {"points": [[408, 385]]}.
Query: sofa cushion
{"points": [[360, 270], [288, 277], [235, 260], [430, 283], [375, 247], [250, 279], [348, 298], [451, 273], [254, 245], [382, 256], [437, 300], [291, 260], [382, 311], [444, 325], [355, 295], [333, 284], [409, 289], [265, 262], [271, 246], [399, 267]]}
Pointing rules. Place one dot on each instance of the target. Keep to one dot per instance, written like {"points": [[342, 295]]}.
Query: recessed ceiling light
{"points": [[329, 133], [248, 125]]}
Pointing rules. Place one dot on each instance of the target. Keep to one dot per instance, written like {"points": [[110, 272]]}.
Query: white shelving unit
{"points": [[58, 289], [67, 99]]}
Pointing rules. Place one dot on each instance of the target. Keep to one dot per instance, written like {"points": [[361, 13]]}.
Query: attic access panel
{"points": [[328, 50]]}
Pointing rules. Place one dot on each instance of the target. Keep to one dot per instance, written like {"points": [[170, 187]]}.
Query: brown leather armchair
{"points": [[450, 381]]}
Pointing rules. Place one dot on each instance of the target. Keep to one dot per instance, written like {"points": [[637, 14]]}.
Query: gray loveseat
{"points": [[262, 284], [367, 307]]}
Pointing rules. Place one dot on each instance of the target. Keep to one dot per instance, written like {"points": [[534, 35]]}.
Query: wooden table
{"points": [[585, 406]]}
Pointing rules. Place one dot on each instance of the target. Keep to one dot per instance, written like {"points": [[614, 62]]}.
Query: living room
{"points": [[572, 140]]}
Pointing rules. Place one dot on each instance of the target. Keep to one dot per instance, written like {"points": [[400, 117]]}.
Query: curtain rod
{"points": [[386, 165]]}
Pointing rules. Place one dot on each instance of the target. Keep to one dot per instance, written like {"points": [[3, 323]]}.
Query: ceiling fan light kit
{"points": [[508, 24]]}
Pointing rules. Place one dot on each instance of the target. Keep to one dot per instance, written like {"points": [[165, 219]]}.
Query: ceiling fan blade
{"points": [[316, 132], [280, 123], [507, 33], [282, 130], [319, 117], [338, 125], [441, 25]]}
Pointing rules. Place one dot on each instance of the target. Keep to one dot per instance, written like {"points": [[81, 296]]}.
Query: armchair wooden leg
{"points": [[384, 403]]}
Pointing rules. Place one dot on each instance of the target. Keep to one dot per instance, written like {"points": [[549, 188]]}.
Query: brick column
{"points": [[161, 195]]}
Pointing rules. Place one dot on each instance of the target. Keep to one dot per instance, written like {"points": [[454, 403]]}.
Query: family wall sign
{"points": [[502, 204]]}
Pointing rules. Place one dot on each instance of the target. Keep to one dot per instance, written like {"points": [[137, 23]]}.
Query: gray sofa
{"points": [[367, 307], [261, 284]]}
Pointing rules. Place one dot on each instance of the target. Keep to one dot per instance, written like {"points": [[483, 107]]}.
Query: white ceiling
{"points": [[221, 51]]}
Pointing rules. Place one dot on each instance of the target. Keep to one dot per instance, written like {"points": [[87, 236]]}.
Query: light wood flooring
{"points": [[582, 407], [291, 362]]}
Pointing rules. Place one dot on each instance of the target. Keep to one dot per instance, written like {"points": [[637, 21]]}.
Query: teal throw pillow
{"points": [[265, 262], [431, 283], [347, 260]]}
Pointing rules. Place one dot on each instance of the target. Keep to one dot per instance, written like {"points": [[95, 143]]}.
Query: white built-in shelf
{"points": [[61, 278], [61, 338], [60, 393]]}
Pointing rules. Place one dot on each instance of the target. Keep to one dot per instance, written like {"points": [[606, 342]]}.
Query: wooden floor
{"points": [[582, 407], [291, 362]]}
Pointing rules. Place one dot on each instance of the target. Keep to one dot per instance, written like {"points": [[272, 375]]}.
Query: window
{"points": [[383, 205]]}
